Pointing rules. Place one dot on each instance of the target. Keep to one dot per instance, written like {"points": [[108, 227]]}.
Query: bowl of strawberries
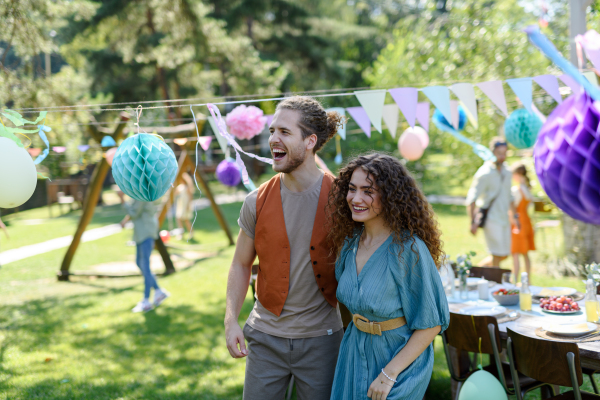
{"points": [[506, 297], [559, 305]]}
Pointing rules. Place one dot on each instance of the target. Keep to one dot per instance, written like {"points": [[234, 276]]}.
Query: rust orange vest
{"points": [[273, 247]]}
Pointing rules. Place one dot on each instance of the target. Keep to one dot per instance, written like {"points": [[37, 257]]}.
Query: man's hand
{"points": [[121, 196], [234, 337], [474, 228]]}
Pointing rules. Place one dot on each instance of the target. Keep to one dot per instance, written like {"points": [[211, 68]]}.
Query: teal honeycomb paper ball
{"points": [[144, 167], [521, 128]]}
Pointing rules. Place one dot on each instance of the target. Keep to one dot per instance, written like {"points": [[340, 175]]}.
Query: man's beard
{"points": [[296, 159]]}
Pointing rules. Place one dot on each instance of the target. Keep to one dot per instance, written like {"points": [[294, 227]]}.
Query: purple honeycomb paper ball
{"points": [[228, 173], [567, 157]]}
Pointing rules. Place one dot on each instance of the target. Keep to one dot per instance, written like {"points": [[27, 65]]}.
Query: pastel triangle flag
{"points": [[570, 82], [591, 76], [495, 92], [205, 142], [222, 141], [342, 112], [440, 97], [269, 120], [550, 84], [407, 99], [466, 95], [454, 113], [372, 102], [359, 115], [391, 114], [423, 115], [523, 89]]}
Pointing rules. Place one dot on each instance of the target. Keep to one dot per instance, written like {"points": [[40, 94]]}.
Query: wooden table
{"points": [[529, 321]]}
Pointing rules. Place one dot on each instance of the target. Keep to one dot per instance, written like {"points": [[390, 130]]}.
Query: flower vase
{"points": [[462, 286]]}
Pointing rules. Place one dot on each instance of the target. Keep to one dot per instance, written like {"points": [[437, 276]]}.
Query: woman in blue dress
{"points": [[389, 250]]}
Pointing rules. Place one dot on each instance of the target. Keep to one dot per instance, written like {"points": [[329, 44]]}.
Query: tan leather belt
{"points": [[375, 328]]}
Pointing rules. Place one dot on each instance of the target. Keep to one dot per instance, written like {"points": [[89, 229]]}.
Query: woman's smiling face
{"points": [[363, 197]]}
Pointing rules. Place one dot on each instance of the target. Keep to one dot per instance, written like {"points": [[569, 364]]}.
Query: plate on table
{"points": [[483, 310], [556, 291], [572, 330], [560, 312]]}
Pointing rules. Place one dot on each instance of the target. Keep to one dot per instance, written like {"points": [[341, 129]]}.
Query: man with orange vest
{"points": [[295, 327]]}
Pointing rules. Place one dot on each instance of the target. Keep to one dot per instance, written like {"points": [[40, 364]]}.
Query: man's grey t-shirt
{"points": [[305, 313]]}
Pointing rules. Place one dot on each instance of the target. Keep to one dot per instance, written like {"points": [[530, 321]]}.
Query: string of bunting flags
{"points": [[449, 115]]}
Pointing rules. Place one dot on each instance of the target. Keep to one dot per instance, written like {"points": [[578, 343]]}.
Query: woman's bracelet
{"points": [[386, 375]]}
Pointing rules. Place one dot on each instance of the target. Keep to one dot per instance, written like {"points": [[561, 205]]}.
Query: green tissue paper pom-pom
{"points": [[521, 128], [144, 167]]}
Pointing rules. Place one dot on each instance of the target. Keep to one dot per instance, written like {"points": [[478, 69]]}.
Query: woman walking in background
{"points": [[145, 232], [389, 249], [523, 238]]}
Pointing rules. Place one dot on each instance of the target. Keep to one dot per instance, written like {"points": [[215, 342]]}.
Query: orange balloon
{"points": [[110, 154]]}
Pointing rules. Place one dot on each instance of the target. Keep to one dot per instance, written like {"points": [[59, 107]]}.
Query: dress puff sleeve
{"points": [[421, 291], [340, 262]]}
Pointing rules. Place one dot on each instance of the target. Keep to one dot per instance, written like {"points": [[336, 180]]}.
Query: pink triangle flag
{"points": [[269, 120], [407, 99], [454, 113], [550, 84], [570, 82], [590, 41], [361, 118], [205, 142], [495, 92], [423, 115]]}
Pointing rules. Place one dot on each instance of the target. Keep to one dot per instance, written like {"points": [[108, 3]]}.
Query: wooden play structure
{"points": [[94, 190]]}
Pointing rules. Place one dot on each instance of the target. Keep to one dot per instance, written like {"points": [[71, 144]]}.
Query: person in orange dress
{"points": [[522, 239]]}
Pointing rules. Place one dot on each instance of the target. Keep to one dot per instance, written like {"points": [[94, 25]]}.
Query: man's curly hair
{"points": [[405, 209]]}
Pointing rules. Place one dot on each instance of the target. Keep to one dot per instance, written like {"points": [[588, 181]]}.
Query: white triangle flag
{"points": [[466, 95], [440, 97], [372, 102], [222, 141], [342, 112], [391, 113], [495, 92]]}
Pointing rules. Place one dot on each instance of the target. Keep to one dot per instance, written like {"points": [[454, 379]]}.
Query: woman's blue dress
{"points": [[389, 286]]}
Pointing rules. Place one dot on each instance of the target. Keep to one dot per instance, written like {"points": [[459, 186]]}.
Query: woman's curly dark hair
{"points": [[406, 211]]}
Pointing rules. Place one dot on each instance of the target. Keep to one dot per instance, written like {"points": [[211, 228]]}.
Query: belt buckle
{"points": [[357, 317], [374, 327]]}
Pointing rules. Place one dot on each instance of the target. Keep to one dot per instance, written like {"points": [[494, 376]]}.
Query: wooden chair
{"points": [[464, 333], [555, 363], [489, 273]]}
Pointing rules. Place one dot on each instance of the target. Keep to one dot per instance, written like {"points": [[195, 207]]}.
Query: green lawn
{"points": [[79, 340]]}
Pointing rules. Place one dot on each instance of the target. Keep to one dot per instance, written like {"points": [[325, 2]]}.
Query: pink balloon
{"points": [[422, 134], [410, 146], [110, 154]]}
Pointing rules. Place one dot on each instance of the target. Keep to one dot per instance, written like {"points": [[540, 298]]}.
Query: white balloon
{"points": [[18, 176]]}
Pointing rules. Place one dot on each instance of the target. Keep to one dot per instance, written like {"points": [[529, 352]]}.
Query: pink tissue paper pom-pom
{"points": [[245, 122]]}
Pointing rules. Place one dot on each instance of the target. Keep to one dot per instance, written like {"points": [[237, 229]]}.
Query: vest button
{"points": [[322, 289], [312, 247], [319, 275], [314, 263]]}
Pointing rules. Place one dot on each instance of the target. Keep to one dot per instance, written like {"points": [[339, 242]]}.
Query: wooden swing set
{"points": [[94, 190]]}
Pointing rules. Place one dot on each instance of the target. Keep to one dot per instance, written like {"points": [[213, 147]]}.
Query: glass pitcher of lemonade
{"points": [[592, 307], [525, 293]]}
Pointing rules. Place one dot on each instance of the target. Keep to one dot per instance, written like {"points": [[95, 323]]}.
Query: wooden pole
{"points": [[181, 164], [91, 199], [215, 207]]}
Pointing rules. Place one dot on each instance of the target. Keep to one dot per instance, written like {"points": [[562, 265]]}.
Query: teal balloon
{"points": [[521, 128], [482, 385], [144, 167]]}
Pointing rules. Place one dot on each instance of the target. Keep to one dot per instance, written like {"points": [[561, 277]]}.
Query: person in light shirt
{"points": [[491, 189]]}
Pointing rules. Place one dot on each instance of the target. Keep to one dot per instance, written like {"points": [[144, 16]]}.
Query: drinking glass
{"points": [[507, 279]]}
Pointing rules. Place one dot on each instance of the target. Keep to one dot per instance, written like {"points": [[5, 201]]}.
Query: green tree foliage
{"points": [[474, 42]]}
